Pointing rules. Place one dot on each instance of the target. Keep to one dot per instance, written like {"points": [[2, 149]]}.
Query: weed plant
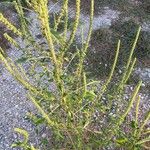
{"points": [[23, 2], [81, 113]]}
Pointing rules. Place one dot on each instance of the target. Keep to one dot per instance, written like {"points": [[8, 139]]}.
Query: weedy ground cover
{"points": [[80, 112]]}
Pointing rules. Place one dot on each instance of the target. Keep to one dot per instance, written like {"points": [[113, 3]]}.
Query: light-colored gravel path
{"points": [[13, 108]]}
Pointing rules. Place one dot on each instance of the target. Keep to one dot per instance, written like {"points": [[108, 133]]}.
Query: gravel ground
{"points": [[13, 108], [14, 104]]}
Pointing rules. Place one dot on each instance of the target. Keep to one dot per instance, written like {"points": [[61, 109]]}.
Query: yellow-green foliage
{"points": [[70, 110], [9, 25]]}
